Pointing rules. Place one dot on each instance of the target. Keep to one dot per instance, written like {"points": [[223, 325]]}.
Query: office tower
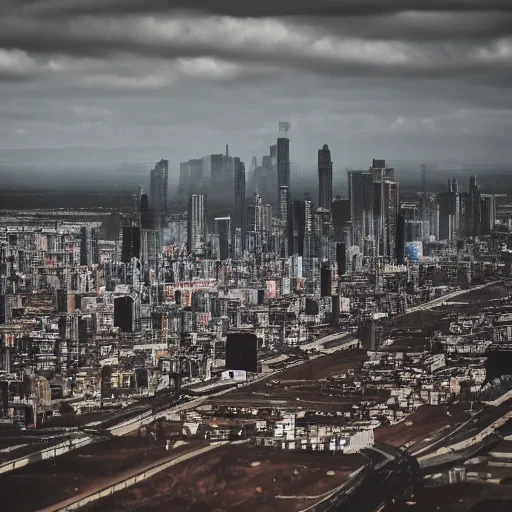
{"points": [[386, 208], [360, 190], [296, 224], [273, 155], [130, 243], [150, 249], [255, 214], [85, 249], [254, 164], [222, 227], [400, 240], [474, 207], [340, 210], [242, 352], [453, 185], [214, 167], [423, 199], [325, 280], [324, 178], [284, 199], [239, 210], [159, 183], [341, 258], [148, 218], [123, 314], [488, 213], [284, 202], [465, 228], [448, 202], [196, 223], [184, 182], [283, 162]]}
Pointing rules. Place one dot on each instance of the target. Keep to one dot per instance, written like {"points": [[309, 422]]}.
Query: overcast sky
{"points": [[371, 78]]}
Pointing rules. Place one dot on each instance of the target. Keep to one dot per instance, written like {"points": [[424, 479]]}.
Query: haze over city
{"points": [[369, 78], [255, 255]]}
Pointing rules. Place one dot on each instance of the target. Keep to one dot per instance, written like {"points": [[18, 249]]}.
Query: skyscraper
{"points": [[223, 230], [159, 183], [196, 223], [386, 208], [296, 225], [324, 178], [474, 207], [360, 190], [283, 164], [340, 210], [239, 210]]}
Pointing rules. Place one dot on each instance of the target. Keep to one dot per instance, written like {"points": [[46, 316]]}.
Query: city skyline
{"points": [[366, 79]]}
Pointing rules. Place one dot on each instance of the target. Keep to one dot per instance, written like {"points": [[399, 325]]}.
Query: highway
{"points": [[440, 300], [389, 474]]}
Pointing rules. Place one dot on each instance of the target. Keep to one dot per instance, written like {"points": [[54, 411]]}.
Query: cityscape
{"points": [[255, 256], [307, 349]]}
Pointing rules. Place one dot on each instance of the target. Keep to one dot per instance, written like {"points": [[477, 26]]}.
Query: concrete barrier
{"points": [[47, 453], [74, 504]]}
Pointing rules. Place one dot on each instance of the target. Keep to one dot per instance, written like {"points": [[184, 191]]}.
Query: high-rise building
{"points": [[325, 280], [324, 178], [488, 213], [239, 209], [222, 227], [196, 223], [360, 190], [453, 185], [296, 222], [474, 207], [340, 210], [283, 164], [386, 208], [148, 219], [130, 243], [448, 215], [159, 184]]}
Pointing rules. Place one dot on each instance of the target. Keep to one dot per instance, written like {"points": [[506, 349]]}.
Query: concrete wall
{"points": [[47, 453], [119, 486]]}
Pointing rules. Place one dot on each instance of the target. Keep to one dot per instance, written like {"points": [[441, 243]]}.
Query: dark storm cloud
{"points": [[272, 8], [364, 76]]}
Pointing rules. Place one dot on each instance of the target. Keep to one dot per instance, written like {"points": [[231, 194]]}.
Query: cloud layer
{"points": [[338, 69]]}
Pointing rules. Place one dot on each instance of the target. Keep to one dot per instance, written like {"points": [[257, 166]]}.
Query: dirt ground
{"points": [[425, 421], [48, 482], [224, 480]]}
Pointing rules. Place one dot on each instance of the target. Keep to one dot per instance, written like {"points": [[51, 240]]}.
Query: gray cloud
{"points": [[273, 8], [367, 77]]}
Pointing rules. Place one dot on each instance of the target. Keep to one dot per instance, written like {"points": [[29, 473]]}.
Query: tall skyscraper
{"points": [[386, 208], [488, 213], [453, 185], [324, 178], [223, 230], [239, 209], [360, 190], [283, 160], [196, 223], [474, 207], [296, 225], [340, 210], [159, 183]]}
